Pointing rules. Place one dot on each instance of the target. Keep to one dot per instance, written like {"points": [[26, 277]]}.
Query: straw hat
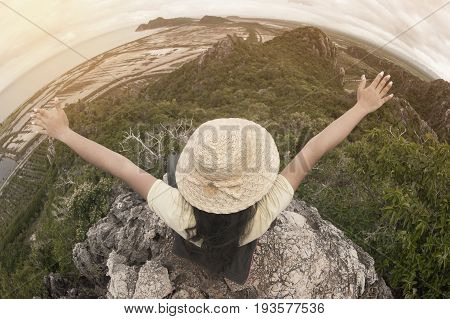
{"points": [[227, 165]]}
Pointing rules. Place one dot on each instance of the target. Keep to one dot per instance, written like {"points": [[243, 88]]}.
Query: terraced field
{"points": [[24, 183]]}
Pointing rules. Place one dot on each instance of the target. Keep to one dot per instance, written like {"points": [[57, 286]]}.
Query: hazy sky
{"points": [[74, 21]]}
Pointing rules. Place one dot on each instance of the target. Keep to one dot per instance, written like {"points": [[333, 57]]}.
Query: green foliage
{"points": [[88, 204], [24, 263], [411, 182], [15, 267]]}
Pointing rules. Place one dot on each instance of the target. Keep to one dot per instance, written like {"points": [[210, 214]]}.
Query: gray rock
{"points": [[149, 281], [129, 254], [57, 286], [129, 229], [219, 50], [123, 277], [307, 257], [153, 281]]}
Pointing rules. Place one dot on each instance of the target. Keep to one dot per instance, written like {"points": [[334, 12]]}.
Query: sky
{"points": [[75, 21]]}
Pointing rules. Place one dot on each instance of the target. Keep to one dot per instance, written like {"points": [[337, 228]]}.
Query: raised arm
{"points": [[55, 124], [369, 99]]}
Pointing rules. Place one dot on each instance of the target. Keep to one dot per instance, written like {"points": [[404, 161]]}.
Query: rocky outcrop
{"points": [[128, 254], [151, 280], [411, 120], [219, 50], [59, 287], [315, 44], [433, 104], [315, 40]]}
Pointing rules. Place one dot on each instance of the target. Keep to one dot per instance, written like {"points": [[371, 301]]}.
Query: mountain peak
{"points": [[213, 20], [220, 50], [312, 37]]}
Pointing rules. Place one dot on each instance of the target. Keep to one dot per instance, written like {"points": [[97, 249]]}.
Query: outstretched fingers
{"points": [[362, 83], [386, 89], [377, 80], [41, 112], [36, 116], [37, 122], [382, 83], [58, 105], [387, 98], [41, 131], [39, 126]]}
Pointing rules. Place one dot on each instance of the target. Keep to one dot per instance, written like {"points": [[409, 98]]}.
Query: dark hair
{"points": [[221, 234]]}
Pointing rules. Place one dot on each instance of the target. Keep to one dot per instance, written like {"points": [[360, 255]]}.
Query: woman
{"points": [[229, 186]]}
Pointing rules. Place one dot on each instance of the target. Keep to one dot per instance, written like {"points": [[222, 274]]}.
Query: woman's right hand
{"points": [[374, 96], [52, 122]]}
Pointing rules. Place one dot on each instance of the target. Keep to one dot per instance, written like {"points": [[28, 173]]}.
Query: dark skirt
{"points": [[238, 270]]}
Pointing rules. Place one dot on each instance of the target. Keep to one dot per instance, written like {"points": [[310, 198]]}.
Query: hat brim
{"points": [[249, 188]]}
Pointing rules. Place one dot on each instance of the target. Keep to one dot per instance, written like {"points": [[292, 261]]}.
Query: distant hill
{"points": [[161, 22], [213, 20]]}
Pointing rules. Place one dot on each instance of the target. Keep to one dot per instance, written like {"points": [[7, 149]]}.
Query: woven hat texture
{"points": [[227, 165]]}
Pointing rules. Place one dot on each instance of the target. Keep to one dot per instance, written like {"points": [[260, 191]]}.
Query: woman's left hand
{"points": [[375, 95], [52, 122]]}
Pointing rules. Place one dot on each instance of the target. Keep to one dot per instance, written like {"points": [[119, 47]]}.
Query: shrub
{"points": [[411, 183]]}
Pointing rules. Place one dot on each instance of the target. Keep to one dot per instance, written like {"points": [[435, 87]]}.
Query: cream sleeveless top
{"points": [[168, 203]]}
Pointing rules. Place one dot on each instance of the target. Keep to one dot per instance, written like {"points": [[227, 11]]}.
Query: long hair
{"points": [[221, 234]]}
